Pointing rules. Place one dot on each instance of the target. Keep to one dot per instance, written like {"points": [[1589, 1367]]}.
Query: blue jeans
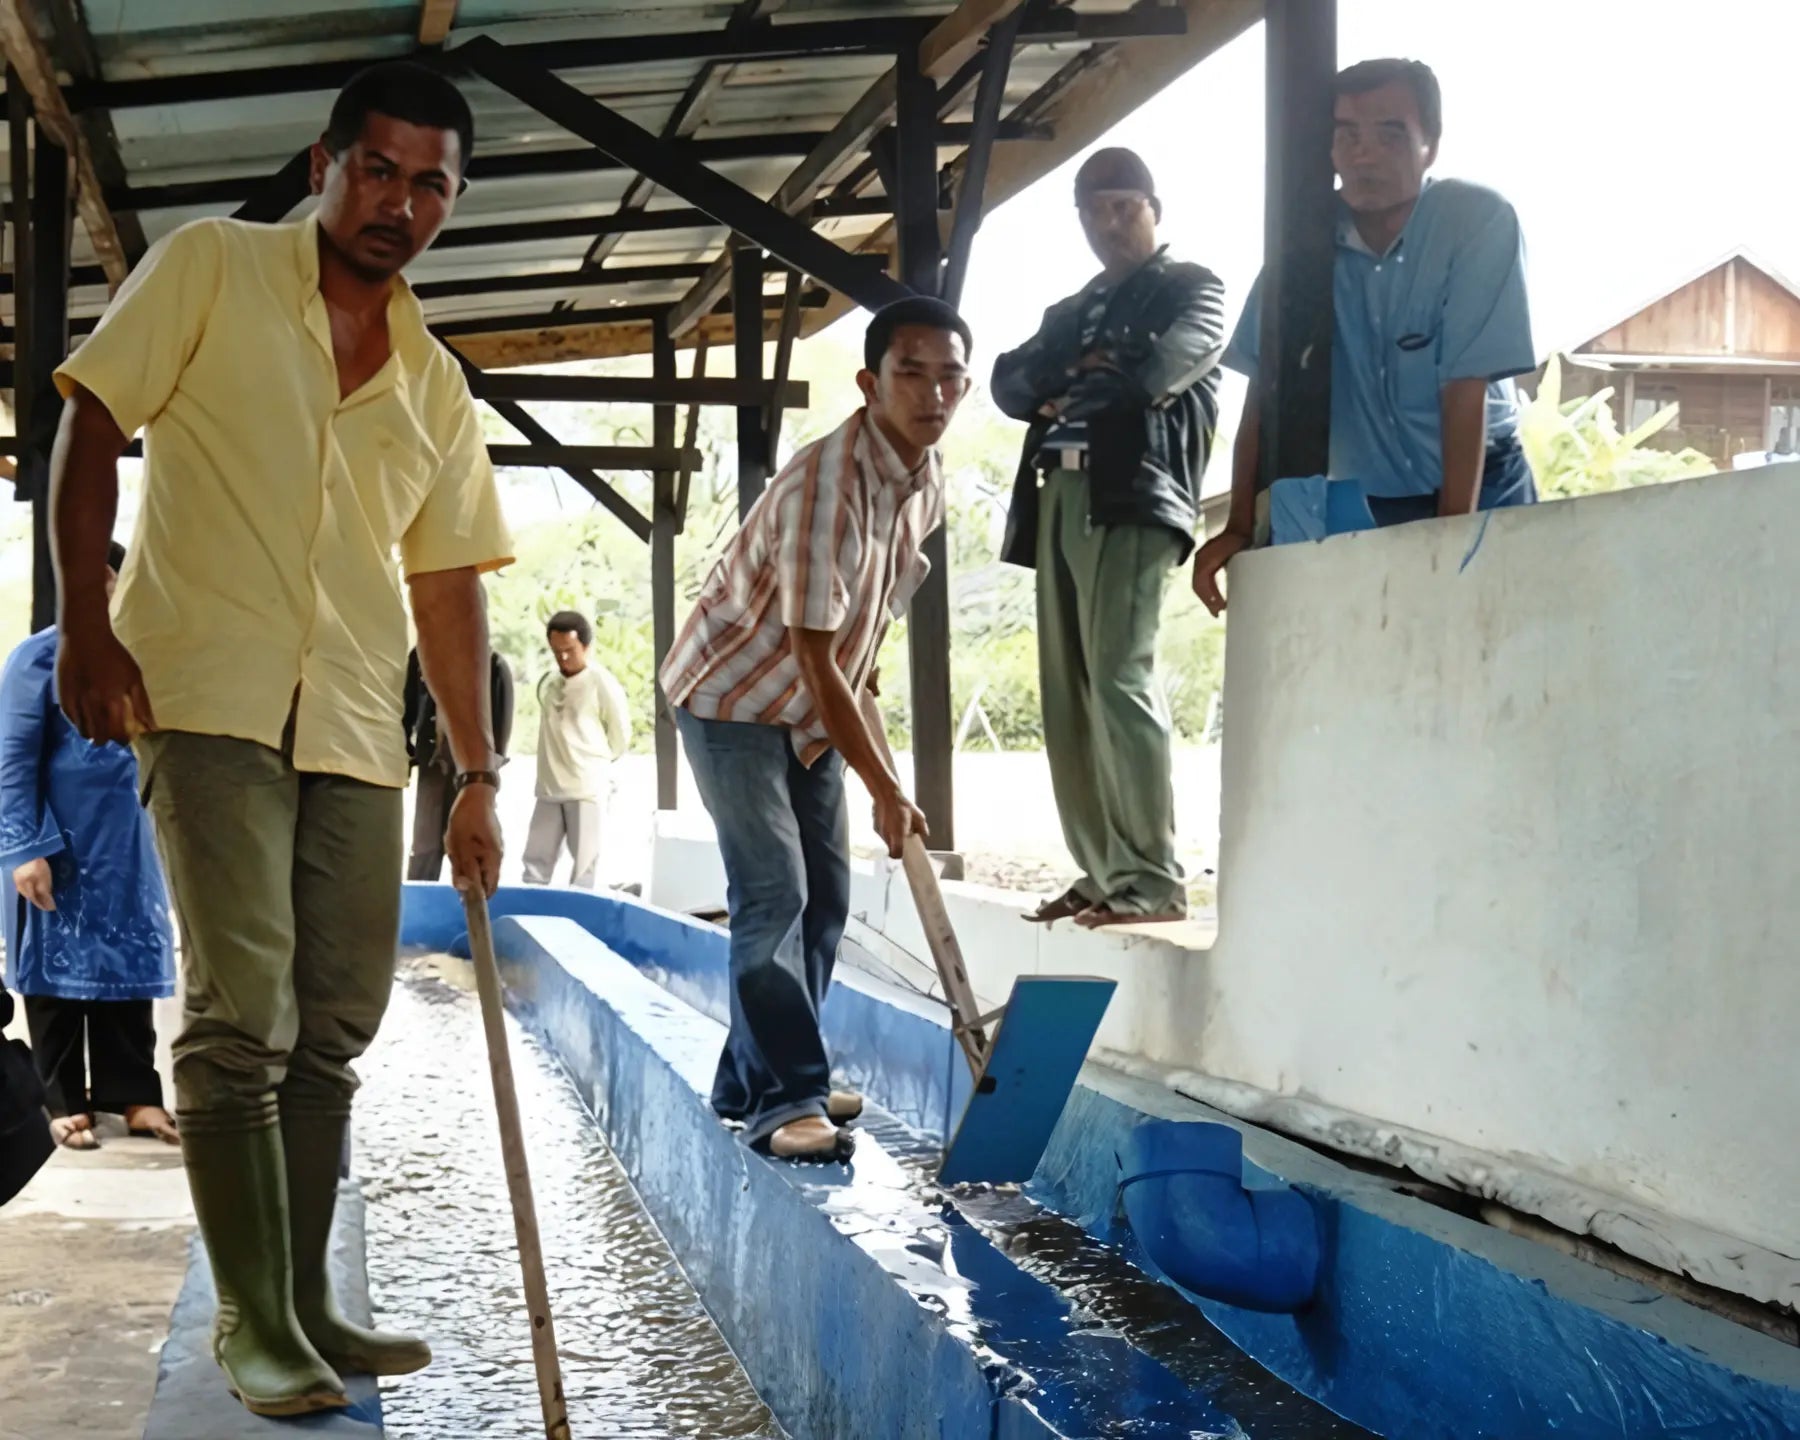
{"points": [[784, 835]]}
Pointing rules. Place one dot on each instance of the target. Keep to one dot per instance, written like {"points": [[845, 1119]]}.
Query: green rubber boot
{"points": [[314, 1142], [235, 1172]]}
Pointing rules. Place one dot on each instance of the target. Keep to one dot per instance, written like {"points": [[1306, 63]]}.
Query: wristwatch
{"points": [[465, 778]]}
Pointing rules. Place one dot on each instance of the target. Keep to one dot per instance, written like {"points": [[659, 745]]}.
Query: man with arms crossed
{"points": [[301, 424], [1430, 324], [770, 677]]}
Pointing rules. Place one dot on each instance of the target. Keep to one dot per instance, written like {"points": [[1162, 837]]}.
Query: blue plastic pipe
{"points": [[1182, 1184]]}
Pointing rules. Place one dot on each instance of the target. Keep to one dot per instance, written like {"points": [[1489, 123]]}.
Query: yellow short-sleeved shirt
{"points": [[263, 566]]}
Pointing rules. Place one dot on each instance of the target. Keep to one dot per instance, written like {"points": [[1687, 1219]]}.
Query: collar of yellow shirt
{"points": [[410, 344]]}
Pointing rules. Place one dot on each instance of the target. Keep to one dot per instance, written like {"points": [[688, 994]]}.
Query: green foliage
{"points": [[1575, 447]]}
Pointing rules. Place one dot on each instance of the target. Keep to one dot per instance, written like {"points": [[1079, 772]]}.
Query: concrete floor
{"points": [[92, 1253]]}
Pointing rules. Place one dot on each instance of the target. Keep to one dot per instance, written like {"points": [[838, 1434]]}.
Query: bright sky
{"points": [[1638, 141]]}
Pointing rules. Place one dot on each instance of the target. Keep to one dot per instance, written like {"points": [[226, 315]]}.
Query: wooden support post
{"points": [[752, 425], [784, 359], [928, 616], [915, 208], [44, 222], [690, 440], [664, 521], [1300, 240]]}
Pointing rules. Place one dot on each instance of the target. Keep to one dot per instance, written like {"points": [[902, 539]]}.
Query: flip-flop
{"points": [[167, 1133], [1100, 916], [1064, 907]]}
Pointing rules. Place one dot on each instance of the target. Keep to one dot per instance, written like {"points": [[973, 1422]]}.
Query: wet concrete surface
{"points": [[640, 1355]]}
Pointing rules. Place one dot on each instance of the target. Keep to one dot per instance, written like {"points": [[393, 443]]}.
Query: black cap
{"points": [[1114, 168]]}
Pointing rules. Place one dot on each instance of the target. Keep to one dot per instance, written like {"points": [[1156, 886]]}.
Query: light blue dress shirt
{"points": [[1446, 302]]}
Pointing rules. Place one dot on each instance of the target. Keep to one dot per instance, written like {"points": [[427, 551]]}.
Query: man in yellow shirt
{"points": [[583, 727], [301, 424]]}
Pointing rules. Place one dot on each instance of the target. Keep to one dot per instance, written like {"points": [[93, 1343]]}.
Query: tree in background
{"points": [[1576, 448]]}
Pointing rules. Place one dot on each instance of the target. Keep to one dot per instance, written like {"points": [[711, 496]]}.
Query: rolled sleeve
{"points": [[460, 525], [1487, 317], [134, 359], [809, 587], [1244, 352]]}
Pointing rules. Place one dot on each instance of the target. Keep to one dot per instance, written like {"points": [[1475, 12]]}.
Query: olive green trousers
{"points": [[1106, 724], [286, 888]]}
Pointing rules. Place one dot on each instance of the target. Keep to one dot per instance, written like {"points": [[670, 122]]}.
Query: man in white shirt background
{"points": [[584, 728]]}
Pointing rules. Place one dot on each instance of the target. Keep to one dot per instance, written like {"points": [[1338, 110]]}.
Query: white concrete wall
{"points": [[1509, 847]]}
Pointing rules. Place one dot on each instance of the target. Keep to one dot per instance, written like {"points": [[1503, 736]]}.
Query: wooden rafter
{"points": [[943, 51], [684, 120], [25, 52], [1083, 106]]}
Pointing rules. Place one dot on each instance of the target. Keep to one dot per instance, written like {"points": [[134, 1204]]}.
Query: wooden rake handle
{"points": [[965, 1011], [518, 1173]]}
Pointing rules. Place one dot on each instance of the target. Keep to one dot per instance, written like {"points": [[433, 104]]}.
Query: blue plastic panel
{"points": [[1044, 1038]]}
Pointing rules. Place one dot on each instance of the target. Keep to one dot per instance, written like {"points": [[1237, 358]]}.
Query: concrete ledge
{"points": [[191, 1400], [858, 1305]]}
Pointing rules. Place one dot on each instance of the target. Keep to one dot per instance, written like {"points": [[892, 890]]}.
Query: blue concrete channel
{"points": [[863, 1300]]}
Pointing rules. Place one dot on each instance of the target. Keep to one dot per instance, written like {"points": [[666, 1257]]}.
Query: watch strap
{"points": [[466, 778]]}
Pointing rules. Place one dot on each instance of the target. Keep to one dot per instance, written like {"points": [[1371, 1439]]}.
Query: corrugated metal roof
{"points": [[774, 103]]}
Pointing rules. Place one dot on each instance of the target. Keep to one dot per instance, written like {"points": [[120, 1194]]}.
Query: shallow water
{"points": [[640, 1356]]}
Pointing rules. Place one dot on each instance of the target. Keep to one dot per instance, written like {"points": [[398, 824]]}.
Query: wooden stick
{"points": [[518, 1174], [967, 1025]]}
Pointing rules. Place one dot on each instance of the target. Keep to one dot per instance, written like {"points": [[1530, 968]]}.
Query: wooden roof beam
{"points": [[436, 17], [1093, 94], [684, 120], [25, 52], [943, 51]]}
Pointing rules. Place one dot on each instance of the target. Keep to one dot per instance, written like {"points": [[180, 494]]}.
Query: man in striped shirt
{"points": [[770, 678]]}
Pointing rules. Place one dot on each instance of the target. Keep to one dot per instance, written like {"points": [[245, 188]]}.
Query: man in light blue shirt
{"points": [[1430, 325]]}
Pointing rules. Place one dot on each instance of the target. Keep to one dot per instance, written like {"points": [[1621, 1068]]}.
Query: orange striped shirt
{"points": [[833, 544]]}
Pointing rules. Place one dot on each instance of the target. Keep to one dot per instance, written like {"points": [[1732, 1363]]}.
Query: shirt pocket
{"points": [[394, 465], [1413, 362]]}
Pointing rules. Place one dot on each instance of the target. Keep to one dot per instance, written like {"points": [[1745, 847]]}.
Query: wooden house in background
{"points": [[1723, 345]]}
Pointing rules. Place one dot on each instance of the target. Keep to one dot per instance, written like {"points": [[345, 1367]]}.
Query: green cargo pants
{"points": [[1106, 726], [287, 890]]}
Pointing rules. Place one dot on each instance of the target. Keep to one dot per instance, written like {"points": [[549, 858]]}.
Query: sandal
{"points": [[1065, 906], [1100, 916], [157, 1124]]}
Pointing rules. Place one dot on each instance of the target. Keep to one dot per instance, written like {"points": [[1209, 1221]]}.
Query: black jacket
{"points": [[419, 711], [1150, 411]]}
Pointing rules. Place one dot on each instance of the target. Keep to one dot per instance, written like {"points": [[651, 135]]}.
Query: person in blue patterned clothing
{"points": [[88, 932]]}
